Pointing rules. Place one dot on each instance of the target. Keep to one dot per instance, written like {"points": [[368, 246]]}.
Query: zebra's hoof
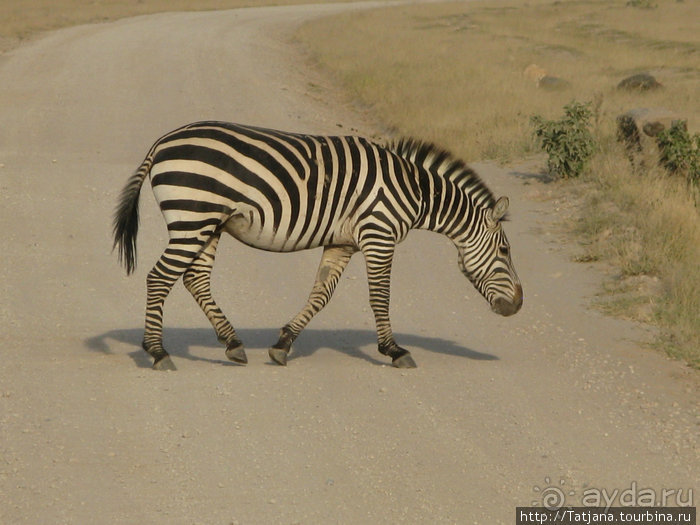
{"points": [[237, 354], [405, 361], [164, 364], [278, 355]]}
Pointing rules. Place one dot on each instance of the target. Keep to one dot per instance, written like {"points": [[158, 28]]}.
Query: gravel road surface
{"points": [[501, 411]]}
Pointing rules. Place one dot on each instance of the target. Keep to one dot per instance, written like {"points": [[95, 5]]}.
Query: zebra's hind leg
{"points": [[197, 279], [333, 263], [176, 258]]}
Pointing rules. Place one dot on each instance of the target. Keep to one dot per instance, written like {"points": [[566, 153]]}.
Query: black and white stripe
{"points": [[281, 191]]}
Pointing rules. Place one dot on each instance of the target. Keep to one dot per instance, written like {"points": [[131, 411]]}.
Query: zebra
{"points": [[281, 192]]}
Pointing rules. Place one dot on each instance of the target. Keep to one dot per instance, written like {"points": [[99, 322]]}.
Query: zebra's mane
{"points": [[441, 162]]}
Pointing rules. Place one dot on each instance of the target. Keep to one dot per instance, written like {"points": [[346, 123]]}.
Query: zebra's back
{"points": [[275, 190]]}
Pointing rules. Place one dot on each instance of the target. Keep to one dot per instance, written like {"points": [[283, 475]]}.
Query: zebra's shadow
{"points": [[360, 344]]}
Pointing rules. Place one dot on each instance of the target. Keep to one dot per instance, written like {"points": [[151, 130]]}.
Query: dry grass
{"points": [[453, 73], [648, 227]]}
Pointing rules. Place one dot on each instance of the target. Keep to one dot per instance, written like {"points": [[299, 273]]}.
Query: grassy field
{"points": [[454, 74]]}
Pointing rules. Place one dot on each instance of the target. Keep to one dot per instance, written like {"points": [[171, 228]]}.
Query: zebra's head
{"points": [[484, 258], [458, 204]]}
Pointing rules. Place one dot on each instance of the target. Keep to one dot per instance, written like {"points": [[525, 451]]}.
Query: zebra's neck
{"points": [[452, 194]]}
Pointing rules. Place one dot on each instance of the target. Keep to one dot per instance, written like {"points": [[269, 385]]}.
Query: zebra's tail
{"points": [[126, 216]]}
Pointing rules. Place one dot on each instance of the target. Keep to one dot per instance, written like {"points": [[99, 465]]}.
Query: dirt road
{"points": [[499, 412]]}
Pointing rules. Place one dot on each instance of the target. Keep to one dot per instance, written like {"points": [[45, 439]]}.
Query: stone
{"points": [[551, 83], [543, 80], [638, 128], [639, 82], [534, 73]]}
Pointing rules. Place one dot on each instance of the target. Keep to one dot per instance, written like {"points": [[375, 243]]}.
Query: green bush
{"points": [[680, 152], [568, 142]]}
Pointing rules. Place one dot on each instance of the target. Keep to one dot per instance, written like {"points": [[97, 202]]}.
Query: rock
{"points": [[543, 80], [639, 82], [551, 83], [638, 128], [534, 72], [649, 121]]}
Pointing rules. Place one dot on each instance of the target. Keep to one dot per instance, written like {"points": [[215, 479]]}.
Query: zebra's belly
{"points": [[247, 228]]}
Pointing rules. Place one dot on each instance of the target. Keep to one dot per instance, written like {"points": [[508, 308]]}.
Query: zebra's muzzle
{"points": [[505, 307]]}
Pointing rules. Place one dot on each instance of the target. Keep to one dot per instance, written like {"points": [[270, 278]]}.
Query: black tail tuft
{"points": [[126, 218]]}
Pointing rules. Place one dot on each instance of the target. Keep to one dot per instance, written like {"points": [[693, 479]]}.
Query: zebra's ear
{"points": [[499, 209]]}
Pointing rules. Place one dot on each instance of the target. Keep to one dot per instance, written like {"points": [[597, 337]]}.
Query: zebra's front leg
{"points": [[378, 258], [333, 262], [197, 279]]}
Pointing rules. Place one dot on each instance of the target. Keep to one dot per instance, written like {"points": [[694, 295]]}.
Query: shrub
{"points": [[680, 152], [568, 142]]}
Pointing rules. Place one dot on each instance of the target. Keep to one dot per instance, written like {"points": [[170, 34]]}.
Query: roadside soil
{"points": [[499, 412]]}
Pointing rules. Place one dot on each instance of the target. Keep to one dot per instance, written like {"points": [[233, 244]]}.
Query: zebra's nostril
{"points": [[505, 307], [518, 297]]}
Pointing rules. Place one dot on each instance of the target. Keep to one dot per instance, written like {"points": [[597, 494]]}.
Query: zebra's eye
{"points": [[504, 250]]}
